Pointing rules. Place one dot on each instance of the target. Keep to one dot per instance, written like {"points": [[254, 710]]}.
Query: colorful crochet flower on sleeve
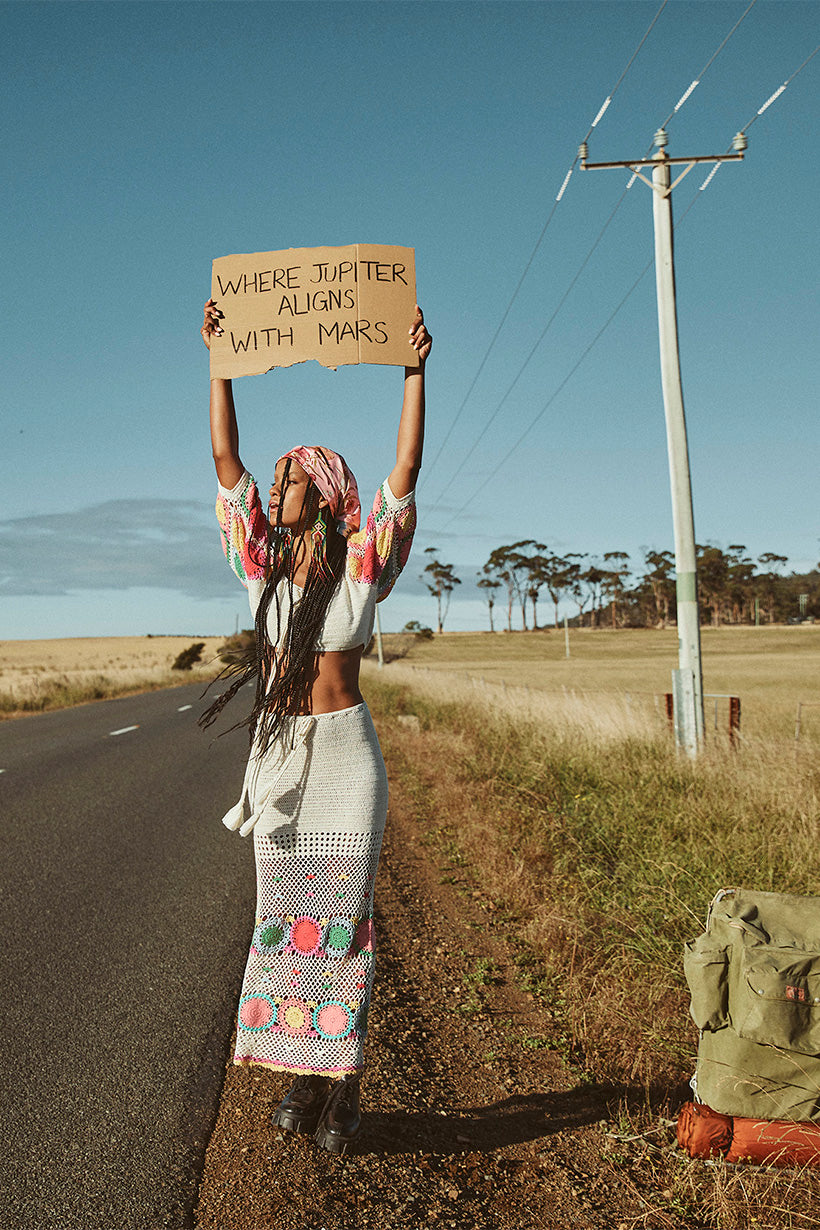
{"points": [[377, 553], [244, 529]]}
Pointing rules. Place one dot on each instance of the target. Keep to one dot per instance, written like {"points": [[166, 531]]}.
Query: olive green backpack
{"points": [[754, 977]]}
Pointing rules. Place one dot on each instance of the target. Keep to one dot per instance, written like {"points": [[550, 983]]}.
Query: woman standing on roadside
{"points": [[315, 789]]}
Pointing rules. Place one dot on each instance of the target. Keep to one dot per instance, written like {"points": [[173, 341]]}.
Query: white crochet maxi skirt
{"points": [[321, 806]]}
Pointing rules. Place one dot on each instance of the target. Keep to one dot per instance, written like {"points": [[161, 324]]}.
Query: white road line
{"points": [[124, 731], [182, 708]]}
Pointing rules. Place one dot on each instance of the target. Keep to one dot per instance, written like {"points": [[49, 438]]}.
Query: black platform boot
{"points": [[300, 1110], [341, 1120]]}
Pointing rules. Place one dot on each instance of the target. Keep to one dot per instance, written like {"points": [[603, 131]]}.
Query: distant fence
{"points": [[734, 710]]}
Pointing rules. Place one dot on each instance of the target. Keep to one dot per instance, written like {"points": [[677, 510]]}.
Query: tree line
{"points": [[607, 591]]}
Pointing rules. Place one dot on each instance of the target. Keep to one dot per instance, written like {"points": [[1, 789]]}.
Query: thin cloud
{"points": [[164, 544], [125, 544]]}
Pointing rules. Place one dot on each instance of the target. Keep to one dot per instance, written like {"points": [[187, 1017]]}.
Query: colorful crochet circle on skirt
{"points": [[339, 936], [333, 1019], [365, 935], [256, 1012], [305, 934], [294, 1017], [271, 936]]}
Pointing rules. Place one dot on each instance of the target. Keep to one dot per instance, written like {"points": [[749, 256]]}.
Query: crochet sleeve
{"points": [[244, 528], [379, 551]]}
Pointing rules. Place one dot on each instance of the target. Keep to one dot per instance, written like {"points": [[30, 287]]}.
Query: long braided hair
{"points": [[284, 670]]}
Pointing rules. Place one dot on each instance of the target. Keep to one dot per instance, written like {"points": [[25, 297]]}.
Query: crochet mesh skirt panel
{"points": [[309, 975]]}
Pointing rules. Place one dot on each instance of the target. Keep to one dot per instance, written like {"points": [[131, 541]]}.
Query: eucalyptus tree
{"points": [[739, 583], [592, 578], [771, 580], [511, 566], [576, 585], [489, 584], [532, 565], [535, 568], [499, 567], [713, 581], [561, 577], [519, 564], [614, 577], [660, 565], [441, 580]]}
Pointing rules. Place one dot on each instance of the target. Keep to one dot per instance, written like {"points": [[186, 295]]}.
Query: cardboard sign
{"points": [[337, 305]]}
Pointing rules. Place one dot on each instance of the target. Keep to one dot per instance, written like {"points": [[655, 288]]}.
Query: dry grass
{"points": [[599, 849], [771, 669], [36, 675], [710, 1194], [594, 715], [584, 793]]}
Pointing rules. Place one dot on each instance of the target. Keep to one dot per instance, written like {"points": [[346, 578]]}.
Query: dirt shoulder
{"points": [[473, 1118]]}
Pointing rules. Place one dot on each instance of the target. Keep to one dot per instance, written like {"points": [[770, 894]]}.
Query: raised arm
{"points": [[411, 425], [224, 430]]}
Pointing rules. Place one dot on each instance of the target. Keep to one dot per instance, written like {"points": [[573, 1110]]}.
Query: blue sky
{"points": [[142, 140]]}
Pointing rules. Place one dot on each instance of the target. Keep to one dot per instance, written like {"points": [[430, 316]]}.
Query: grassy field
{"points": [[50, 674], [771, 669]]}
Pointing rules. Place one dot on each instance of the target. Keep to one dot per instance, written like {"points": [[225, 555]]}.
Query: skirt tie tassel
{"points": [[235, 818]]}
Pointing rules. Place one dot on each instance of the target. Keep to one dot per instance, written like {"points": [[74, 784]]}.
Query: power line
{"points": [[771, 99], [617, 309], [466, 456], [779, 91], [697, 80], [538, 243], [615, 88], [564, 382], [451, 477], [551, 399]]}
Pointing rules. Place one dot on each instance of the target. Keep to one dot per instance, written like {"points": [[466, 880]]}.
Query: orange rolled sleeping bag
{"points": [[705, 1133], [775, 1142]]}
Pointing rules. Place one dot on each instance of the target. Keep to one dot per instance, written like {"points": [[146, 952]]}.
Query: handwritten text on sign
{"points": [[338, 305]]}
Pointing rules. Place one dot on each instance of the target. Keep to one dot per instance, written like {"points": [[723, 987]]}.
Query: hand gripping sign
{"points": [[353, 304]]}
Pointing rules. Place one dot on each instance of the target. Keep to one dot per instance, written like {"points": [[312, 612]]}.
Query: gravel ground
{"points": [[469, 1121]]}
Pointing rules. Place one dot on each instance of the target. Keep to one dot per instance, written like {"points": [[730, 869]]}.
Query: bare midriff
{"points": [[336, 682]]}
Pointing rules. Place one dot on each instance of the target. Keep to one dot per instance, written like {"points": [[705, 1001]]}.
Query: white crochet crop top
{"points": [[376, 555]]}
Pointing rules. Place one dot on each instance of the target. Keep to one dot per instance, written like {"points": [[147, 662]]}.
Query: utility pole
{"points": [[687, 681]]}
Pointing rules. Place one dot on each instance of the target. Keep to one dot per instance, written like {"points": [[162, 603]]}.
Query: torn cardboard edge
{"points": [[339, 306]]}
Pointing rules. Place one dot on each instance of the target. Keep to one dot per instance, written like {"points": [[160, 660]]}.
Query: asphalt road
{"points": [[125, 914]]}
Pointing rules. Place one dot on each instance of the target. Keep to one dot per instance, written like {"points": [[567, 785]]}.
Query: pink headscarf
{"points": [[334, 480]]}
